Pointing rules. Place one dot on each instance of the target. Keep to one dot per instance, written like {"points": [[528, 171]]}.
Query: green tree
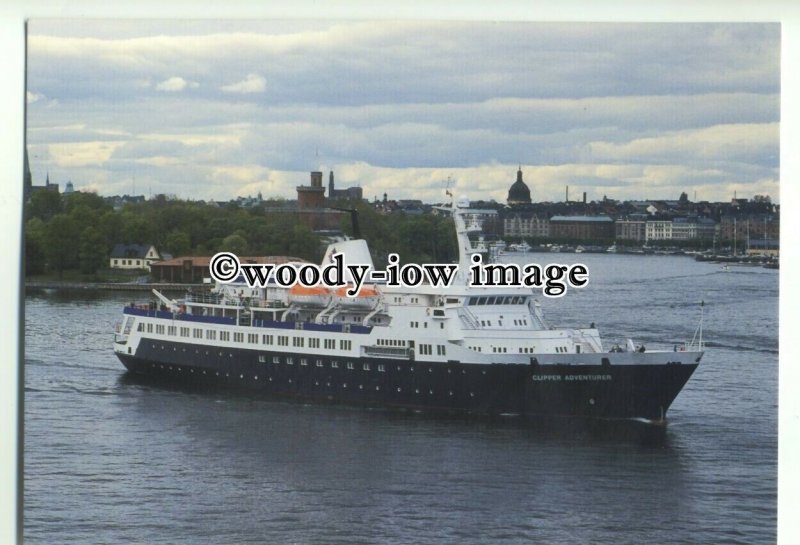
{"points": [[93, 252], [44, 205], [110, 224], [235, 243], [85, 199], [303, 243], [178, 243], [61, 243], [136, 229], [34, 243]]}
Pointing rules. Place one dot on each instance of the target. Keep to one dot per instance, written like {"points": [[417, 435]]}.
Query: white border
{"points": [[14, 12]]}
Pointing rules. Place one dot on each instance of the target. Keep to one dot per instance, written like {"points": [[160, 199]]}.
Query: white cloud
{"points": [[79, 154], [253, 83], [729, 142], [631, 110], [175, 84], [33, 97]]}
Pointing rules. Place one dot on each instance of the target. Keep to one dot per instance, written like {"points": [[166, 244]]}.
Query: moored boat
{"points": [[462, 348]]}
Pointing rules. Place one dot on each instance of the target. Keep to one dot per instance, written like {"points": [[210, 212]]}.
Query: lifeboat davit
{"points": [[368, 297], [310, 296]]}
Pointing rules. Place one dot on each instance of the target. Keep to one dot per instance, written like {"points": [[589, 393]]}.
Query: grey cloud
{"points": [[408, 95]]}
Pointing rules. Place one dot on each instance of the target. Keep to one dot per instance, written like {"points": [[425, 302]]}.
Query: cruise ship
{"points": [[460, 349]]}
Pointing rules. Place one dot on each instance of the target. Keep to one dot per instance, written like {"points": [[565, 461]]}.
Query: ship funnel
{"points": [[355, 252]]}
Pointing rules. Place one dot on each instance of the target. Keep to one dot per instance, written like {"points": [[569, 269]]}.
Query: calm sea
{"points": [[113, 459]]}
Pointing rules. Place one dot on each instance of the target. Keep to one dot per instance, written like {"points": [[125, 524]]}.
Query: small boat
{"points": [[310, 296], [367, 297]]}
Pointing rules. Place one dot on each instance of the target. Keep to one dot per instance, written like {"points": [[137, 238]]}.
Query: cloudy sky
{"points": [[214, 110]]}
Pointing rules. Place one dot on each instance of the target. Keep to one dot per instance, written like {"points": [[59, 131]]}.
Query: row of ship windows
{"points": [[488, 323], [498, 300], [316, 382], [412, 300], [282, 340], [415, 325], [522, 350], [289, 360], [427, 350], [252, 338], [334, 364], [391, 342], [424, 349]]}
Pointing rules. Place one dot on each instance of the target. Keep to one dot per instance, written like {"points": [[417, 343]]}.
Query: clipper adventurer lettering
{"points": [[452, 345]]}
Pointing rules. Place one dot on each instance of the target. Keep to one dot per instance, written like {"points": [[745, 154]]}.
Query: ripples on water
{"points": [[111, 458]]}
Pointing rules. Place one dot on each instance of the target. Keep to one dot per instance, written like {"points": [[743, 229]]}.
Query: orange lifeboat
{"points": [[312, 296], [366, 298]]}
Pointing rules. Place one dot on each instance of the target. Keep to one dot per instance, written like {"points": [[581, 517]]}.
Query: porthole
{"points": [[399, 389]]}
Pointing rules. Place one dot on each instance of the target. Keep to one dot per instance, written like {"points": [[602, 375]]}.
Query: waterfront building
{"points": [[583, 228], [658, 230], [193, 269], [752, 226], [354, 193], [519, 193], [630, 229], [311, 196], [525, 223], [684, 228], [133, 256]]}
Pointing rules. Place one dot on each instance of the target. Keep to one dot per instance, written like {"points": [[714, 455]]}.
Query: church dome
{"points": [[519, 192]]}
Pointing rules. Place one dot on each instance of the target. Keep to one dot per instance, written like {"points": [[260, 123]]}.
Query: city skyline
{"points": [[213, 110]]}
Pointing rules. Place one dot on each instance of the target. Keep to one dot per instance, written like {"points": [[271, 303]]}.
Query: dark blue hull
{"points": [[601, 391]]}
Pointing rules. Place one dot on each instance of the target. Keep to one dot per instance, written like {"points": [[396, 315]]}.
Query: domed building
{"points": [[519, 193]]}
